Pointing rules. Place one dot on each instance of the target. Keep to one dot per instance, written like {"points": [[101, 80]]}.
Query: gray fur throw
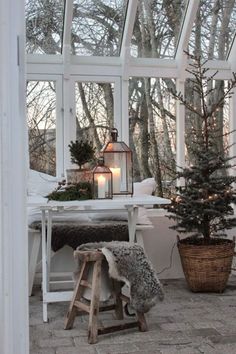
{"points": [[75, 234], [128, 263]]}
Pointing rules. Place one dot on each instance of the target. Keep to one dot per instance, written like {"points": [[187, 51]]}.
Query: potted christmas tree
{"points": [[82, 152], [202, 207]]}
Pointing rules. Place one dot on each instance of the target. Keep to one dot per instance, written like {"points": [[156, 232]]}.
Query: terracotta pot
{"points": [[76, 175]]}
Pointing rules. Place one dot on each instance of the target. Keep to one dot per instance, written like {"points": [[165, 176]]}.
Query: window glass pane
{"points": [[44, 26], [219, 123], [94, 111], [41, 117], [213, 29], [157, 28], [97, 27], [152, 130]]}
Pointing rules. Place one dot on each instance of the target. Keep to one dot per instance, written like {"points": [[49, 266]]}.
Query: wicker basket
{"points": [[207, 267]]}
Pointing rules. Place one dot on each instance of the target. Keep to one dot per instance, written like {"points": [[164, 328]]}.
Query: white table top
{"points": [[116, 202]]}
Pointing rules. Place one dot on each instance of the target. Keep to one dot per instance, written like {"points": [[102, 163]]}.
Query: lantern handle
{"points": [[114, 134], [100, 161]]}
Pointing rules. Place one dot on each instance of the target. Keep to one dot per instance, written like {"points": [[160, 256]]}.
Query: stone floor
{"points": [[185, 323]]}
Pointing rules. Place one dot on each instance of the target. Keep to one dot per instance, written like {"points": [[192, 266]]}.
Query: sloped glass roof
{"points": [[214, 28], [97, 27], [44, 26], [157, 28]]}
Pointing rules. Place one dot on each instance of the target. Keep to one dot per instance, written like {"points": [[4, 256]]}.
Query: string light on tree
{"points": [[204, 204]]}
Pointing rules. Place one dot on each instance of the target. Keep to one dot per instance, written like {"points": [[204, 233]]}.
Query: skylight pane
{"points": [[97, 27], [44, 26], [213, 29], [157, 27]]}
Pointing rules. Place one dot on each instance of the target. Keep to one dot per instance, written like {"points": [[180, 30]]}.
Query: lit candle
{"points": [[116, 179], [101, 186]]}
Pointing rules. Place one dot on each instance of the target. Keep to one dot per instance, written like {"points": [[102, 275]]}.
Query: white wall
{"points": [[161, 248]]}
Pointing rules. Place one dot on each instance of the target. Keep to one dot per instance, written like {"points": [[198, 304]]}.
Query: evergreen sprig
{"points": [[79, 191]]}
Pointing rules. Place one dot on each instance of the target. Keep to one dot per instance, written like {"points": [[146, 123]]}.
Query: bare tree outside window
{"points": [[97, 27], [97, 30], [156, 33], [44, 26], [152, 130], [157, 28], [211, 38], [41, 118], [94, 111], [213, 29]]}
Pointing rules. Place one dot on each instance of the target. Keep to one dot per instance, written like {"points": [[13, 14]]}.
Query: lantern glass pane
{"points": [[120, 164], [102, 185]]}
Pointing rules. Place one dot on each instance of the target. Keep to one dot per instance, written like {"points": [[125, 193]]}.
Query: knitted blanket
{"points": [[75, 234], [128, 263]]}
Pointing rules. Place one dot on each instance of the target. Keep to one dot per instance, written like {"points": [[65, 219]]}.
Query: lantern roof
{"points": [[118, 146], [101, 169]]}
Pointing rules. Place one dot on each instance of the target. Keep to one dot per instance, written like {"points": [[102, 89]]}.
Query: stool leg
{"points": [[71, 314], [94, 304], [142, 324], [118, 302]]}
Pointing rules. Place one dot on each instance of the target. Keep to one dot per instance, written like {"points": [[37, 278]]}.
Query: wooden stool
{"points": [[95, 258]]}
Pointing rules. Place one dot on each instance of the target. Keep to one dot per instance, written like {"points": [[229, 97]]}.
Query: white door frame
{"points": [[14, 326]]}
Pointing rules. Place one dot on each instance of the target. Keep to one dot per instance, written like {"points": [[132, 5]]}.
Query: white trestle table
{"points": [[116, 205]]}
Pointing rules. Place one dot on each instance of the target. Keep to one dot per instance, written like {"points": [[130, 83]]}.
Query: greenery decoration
{"points": [[79, 191], [203, 205], [81, 152]]}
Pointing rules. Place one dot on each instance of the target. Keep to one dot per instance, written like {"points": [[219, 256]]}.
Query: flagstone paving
{"points": [[184, 323]]}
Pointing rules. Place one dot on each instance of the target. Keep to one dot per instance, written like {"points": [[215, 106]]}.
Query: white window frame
{"points": [[70, 134], [59, 117]]}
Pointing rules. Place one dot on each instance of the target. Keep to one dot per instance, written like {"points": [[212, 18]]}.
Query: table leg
{"points": [[44, 266], [132, 221], [48, 241]]}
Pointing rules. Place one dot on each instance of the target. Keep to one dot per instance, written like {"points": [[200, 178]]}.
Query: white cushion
{"points": [[150, 182], [142, 189], [147, 186], [40, 183]]}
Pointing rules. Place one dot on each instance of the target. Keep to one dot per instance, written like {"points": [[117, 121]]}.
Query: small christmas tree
{"points": [[203, 206]]}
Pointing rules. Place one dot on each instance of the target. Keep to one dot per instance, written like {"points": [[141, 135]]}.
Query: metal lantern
{"points": [[118, 157], [102, 181]]}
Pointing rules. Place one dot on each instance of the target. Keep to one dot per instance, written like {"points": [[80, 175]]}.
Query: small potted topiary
{"points": [[82, 154]]}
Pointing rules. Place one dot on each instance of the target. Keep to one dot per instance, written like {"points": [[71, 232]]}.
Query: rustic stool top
{"points": [[89, 255]]}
